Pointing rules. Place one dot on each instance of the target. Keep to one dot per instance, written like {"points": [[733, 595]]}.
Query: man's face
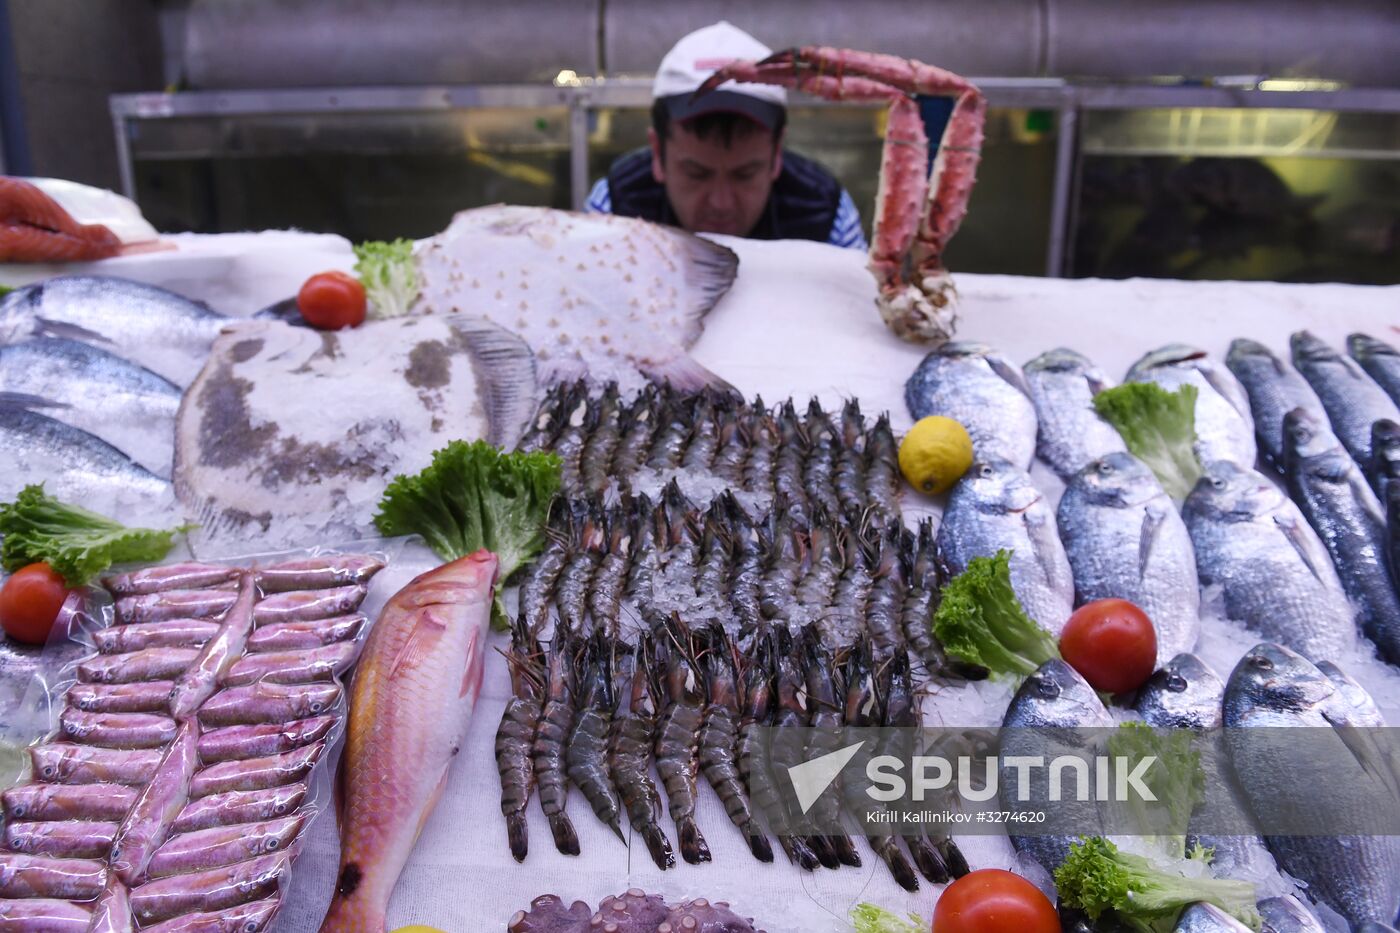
{"points": [[713, 187]]}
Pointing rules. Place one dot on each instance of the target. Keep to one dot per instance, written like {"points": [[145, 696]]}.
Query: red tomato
{"points": [[29, 603], [990, 900], [332, 300], [1111, 643]]}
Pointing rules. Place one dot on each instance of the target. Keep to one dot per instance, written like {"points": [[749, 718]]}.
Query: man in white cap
{"points": [[715, 164]]}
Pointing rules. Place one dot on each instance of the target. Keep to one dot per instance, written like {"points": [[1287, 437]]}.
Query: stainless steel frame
{"points": [[581, 95]]}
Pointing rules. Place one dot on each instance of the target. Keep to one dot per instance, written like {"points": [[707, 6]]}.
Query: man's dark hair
{"points": [[726, 124]]}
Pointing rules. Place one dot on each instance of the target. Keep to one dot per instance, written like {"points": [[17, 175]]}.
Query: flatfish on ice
{"points": [[612, 298], [290, 435]]}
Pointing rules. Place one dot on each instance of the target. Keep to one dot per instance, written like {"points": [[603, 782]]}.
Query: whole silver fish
{"points": [[1224, 425], [1274, 389], [1358, 876], [984, 392], [1275, 575], [1332, 493], [1054, 697], [150, 326], [126, 405], [1062, 385], [1125, 540], [1187, 694], [1353, 401], [1380, 360], [995, 507], [75, 466]]}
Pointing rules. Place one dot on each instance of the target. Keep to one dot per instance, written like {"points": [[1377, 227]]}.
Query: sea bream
{"points": [[1274, 574], [77, 467], [1274, 389], [1125, 540], [1062, 385], [1353, 402], [592, 294], [126, 405], [149, 326], [995, 507], [1272, 687], [982, 390], [1224, 425], [1049, 706], [1330, 490], [290, 431], [1380, 360]]}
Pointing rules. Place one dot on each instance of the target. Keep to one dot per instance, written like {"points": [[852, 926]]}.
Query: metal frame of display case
{"points": [[582, 95]]}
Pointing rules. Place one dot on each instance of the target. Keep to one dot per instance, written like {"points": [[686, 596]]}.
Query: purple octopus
{"points": [[632, 912]]}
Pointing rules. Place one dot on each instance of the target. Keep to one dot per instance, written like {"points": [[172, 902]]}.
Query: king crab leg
{"points": [[916, 215]]}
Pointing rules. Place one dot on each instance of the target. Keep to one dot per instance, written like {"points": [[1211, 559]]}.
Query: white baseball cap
{"points": [[697, 56]]}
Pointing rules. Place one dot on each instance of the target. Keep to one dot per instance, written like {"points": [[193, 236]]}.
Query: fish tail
{"points": [[349, 914], [683, 374], [694, 848], [659, 846], [565, 838], [518, 831]]}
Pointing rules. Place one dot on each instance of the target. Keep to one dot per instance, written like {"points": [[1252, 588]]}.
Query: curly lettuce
{"points": [[1159, 428], [474, 496], [389, 274], [76, 543], [980, 621]]}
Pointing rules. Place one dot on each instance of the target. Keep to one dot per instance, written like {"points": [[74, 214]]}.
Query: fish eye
{"points": [[270, 845], [317, 706], [49, 770], [1047, 688], [1260, 662], [17, 812], [1105, 467], [1176, 683]]}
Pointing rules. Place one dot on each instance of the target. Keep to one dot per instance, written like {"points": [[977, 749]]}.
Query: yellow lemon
{"points": [[935, 454], [417, 928]]}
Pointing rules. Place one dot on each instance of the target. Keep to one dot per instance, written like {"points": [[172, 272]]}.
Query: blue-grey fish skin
{"points": [[152, 327], [74, 466], [1275, 575], [1384, 468], [1357, 876], [1287, 914], [1202, 917], [1054, 697], [983, 391], [1062, 386], [1274, 389], [995, 507], [1330, 490], [1126, 540], [1186, 694], [1380, 360], [1352, 400], [1224, 425], [126, 405]]}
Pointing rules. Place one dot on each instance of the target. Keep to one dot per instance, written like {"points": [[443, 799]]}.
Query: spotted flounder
{"points": [[290, 435], [592, 294]]}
